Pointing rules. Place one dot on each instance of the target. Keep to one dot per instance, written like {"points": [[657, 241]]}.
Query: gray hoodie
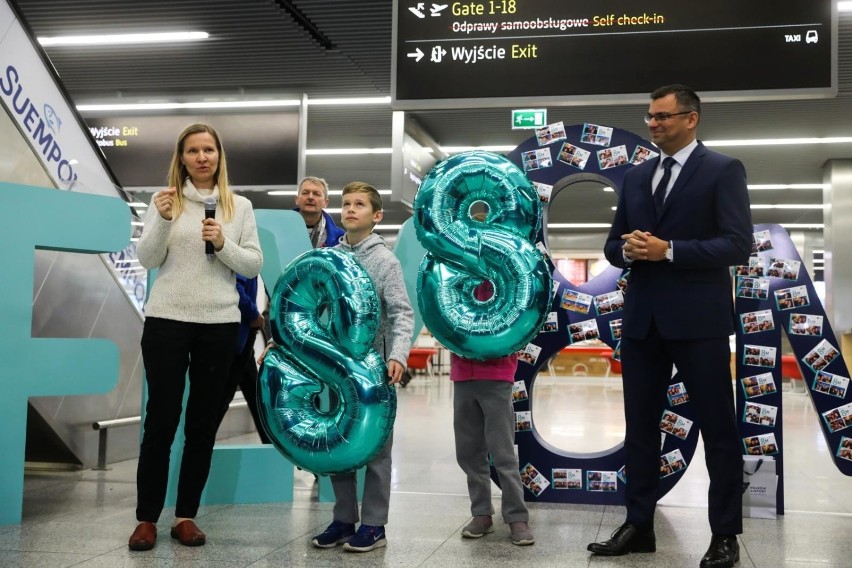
{"points": [[396, 321]]}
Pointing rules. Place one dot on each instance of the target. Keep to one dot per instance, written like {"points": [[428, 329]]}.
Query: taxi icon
{"points": [[811, 36]]}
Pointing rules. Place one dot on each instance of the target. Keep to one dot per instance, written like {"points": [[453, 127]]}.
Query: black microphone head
{"points": [[210, 203]]}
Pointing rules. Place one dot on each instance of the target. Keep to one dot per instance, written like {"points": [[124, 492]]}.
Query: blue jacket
{"points": [[332, 231], [247, 288]]}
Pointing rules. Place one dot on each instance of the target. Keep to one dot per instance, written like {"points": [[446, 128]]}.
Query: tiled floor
{"points": [[85, 518]]}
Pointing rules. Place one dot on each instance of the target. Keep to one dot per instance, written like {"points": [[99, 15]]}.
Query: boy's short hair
{"points": [[363, 187]]}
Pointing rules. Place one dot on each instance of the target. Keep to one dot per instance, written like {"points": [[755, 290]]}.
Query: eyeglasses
{"points": [[663, 116]]}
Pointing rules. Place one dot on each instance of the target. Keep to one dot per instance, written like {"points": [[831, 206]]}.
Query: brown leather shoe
{"points": [[144, 537], [188, 534]]}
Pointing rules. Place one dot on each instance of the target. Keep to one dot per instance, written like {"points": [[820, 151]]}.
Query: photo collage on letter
{"points": [[782, 268], [601, 481], [671, 463], [677, 394], [523, 421], [844, 448], [609, 302], [622, 281], [642, 154], [762, 445], [519, 391], [838, 418], [760, 414], [567, 478], [529, 354], [612, 157], [536, 159], [552, 323], [575, 301], [758, 385], [789, 298], [544, 191], [533, 480], [615, 329], [832, 385], [754, 322], [759, 356], [616, 351], [756, 268], [805, 324], [573, 156], [550, 133], [820, 356], [761, 241], [596, 134], [753, 288], [675, 424], [583, 331]]}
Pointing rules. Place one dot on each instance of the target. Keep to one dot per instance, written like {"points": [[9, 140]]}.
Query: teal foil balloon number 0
{"points": [[464, 251], [325, 315]]}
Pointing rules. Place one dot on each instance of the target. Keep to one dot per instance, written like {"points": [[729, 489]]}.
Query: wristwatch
{"points": [[669, 252]]}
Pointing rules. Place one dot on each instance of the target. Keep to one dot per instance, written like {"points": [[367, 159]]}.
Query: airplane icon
{"points": [[418, 10], [437, 9]]}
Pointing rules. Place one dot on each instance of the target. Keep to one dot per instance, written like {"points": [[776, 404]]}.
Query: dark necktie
{"points": [[660, 192]]}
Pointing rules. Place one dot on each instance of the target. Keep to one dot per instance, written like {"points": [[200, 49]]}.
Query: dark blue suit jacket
{"points": [[707, 216]]}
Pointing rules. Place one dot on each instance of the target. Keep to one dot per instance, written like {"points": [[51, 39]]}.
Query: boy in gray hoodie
{"points": [[362, 209]]}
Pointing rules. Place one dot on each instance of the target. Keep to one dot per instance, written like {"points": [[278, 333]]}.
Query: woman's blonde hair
{"points": [[178, 172]]}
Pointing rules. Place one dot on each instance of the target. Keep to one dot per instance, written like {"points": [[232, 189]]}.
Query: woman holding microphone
{"points": [[191, 324]]}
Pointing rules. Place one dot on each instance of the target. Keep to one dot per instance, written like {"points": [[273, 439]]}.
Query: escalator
{"points": [[44, 142]]}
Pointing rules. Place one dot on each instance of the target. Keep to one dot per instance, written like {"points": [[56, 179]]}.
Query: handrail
{"points": [[103, 426]]}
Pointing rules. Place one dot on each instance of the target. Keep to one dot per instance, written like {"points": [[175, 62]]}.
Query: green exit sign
{"points": [[529, 118]]}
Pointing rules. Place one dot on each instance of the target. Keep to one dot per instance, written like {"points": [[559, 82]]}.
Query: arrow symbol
{"points": [[417, 55]]}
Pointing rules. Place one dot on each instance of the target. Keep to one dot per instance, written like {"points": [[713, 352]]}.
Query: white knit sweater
{"points": [[188, 287]]}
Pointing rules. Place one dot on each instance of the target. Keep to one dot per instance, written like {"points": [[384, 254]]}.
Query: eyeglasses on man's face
{"points": [[662, 116]]}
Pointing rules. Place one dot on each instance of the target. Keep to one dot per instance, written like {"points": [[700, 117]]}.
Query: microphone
{"points": [[209, 213]]}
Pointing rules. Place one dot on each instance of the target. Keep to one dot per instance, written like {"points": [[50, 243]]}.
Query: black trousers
{"points": [[704, 368], [169, 349], [243, 374]]}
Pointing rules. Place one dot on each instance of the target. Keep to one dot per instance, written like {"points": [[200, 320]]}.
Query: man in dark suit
{"points": [[682, 220]]}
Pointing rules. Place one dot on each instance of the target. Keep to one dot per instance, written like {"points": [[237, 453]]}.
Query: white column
{"points": [[837, 216]]}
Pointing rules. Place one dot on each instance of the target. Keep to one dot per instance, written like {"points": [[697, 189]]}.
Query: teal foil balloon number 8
{"points": [[464, 251], [325, 315]]}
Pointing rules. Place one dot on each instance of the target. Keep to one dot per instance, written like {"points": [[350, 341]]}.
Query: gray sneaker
{"points": [[478, 527], [521, 533]]}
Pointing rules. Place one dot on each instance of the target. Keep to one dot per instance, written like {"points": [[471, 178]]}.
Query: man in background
{"points": [[311, 200]]}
